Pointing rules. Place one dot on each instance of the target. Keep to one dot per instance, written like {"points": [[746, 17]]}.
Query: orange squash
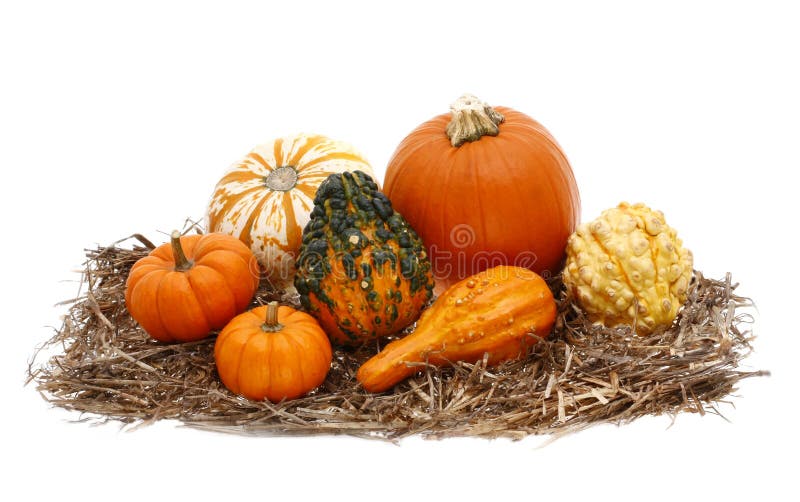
{"points": [[483, 187], [499, 312], [191, 286], [272, 352], [265, 199]]}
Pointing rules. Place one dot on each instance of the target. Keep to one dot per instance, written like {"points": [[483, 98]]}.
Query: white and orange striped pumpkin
{"points": [[266, 198]]}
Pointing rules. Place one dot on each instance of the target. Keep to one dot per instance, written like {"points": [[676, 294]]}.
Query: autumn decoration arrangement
{"points": [[460, 296]]}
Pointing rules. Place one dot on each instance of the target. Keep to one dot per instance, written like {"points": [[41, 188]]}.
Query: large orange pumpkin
{"points": [[483, 187], [265, 199], [272, 352], [190, 286]]}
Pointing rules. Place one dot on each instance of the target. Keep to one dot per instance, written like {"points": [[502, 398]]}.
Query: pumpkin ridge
{"points": [[239, 175], [247, 228], [238, 372], [443, 219], [308, 191], [565, 174], [294, 234], [221, 284], [299, 349], [320, 172], [321, 343], [163, 254], [273, 369], [226, 202], [251, 358], [567, 177], [152, 261], [188, 244], [258, 158], [410, 151], [153, 312], [277, 149], [190, 307], [309, 145], [524, 129], [157, 307], [142, 269], [218, 258], [447, 164], [519, 187], [484, 231], [206, 247], [310, 166]]}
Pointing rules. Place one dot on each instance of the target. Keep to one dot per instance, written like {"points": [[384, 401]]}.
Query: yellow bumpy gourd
{"points": [[628, 267]]}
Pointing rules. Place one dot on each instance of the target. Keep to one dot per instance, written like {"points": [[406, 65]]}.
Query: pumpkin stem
{"points": [[471, 119], [271, 324], [181, 262]]}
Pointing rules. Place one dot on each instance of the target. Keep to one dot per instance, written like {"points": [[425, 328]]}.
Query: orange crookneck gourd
{"points": [[499, 312], [265, 198], [191, 286]]}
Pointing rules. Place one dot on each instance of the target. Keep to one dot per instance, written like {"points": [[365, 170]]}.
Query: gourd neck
{"points": [[471, 119], [271, 324], [182, 263]]}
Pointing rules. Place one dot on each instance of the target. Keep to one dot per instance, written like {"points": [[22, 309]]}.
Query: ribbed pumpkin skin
{"points": [[509, 199], [493, 312], [284, 364], [362, 271], [183, 306], [268, 220]]}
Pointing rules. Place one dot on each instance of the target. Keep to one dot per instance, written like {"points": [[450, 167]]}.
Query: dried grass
{"points": [[109, 369]]}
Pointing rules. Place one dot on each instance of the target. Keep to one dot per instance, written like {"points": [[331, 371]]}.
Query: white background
{"points": [[119, 117]]}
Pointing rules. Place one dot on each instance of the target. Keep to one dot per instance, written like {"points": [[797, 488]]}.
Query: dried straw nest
{"points": [[583, 375]]}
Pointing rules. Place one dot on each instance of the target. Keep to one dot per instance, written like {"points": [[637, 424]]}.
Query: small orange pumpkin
{"points": [[272, 352], [191, 286]]}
